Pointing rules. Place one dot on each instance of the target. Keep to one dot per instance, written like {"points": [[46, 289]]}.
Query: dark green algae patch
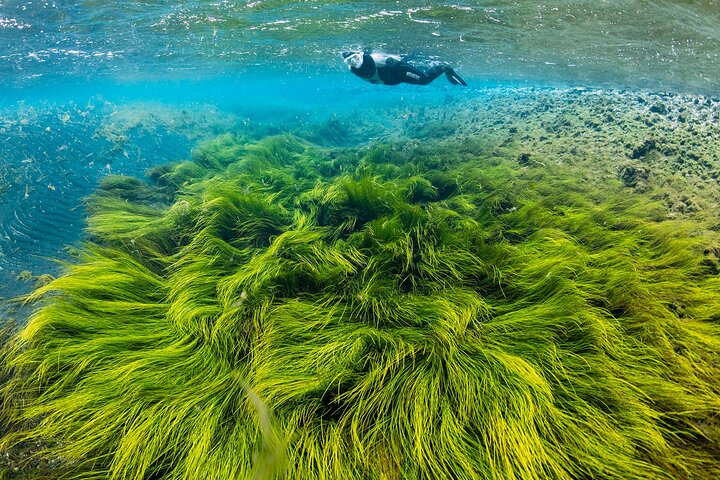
{"points": [[273, 309]]}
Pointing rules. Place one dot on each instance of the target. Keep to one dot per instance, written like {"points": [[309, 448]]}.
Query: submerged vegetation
{"points": [[275, 309]]}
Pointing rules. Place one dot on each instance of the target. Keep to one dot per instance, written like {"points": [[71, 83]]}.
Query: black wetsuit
{"points": [[397, 71]]}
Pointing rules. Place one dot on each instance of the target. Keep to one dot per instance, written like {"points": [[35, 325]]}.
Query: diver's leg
{"points": [[432, 73], [404, 73]]}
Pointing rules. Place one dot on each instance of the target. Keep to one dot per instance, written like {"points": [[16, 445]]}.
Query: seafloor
{"points": [[563, 244]]}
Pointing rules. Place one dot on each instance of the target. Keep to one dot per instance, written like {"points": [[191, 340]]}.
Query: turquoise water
{"points": [[649, 44], [96, 87], [58, 143]]}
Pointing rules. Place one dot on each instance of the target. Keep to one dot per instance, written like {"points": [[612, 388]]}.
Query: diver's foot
{"points": [[454, 78]]}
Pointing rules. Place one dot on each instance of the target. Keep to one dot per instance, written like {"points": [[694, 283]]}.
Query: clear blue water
{"points": [[58, 143], [631, 43], [91, 87]]}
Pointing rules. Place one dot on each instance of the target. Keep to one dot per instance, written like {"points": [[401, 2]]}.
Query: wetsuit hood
{"points": [[366, 68]]}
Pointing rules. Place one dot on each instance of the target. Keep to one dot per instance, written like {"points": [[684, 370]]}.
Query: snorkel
{"points": [[353, 59]]}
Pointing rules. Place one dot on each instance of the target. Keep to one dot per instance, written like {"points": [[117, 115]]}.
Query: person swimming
{"points": [[392, 69]]}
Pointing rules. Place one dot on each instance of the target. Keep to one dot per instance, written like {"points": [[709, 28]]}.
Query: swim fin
{"points": [[454, 78]]}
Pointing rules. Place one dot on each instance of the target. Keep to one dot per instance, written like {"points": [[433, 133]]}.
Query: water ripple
{"points": [[667, 44]]}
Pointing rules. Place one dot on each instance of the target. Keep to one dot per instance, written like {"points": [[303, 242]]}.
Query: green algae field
{"points": [[327, 240], [275, 240], [526, 288]]}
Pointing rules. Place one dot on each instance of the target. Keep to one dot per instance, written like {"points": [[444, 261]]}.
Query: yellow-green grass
{"points": [[273, 309]]}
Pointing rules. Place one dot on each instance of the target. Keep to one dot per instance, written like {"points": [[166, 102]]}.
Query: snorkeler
{"points": [[393, 69]]}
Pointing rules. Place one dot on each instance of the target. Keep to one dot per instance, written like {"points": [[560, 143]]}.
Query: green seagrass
{"points": [[278, 310]]}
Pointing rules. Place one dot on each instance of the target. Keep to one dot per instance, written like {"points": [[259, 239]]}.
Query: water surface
{"points": [[626, 43]]}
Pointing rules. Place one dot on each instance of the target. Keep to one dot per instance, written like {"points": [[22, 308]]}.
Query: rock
{"points": [[24, 276], [679, 207], [659, 108], [43, 280], [527, 160], [633, 175], [648, 145]]}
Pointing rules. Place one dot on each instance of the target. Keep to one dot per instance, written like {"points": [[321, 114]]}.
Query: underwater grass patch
{"points": [[396, 312]]}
